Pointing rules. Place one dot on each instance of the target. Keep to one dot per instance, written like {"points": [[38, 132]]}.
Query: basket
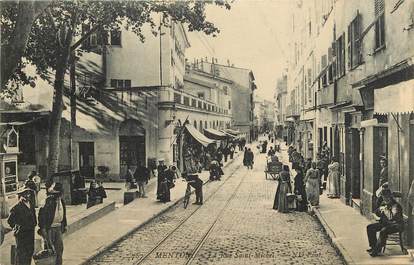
{"points": [[50, 260]]}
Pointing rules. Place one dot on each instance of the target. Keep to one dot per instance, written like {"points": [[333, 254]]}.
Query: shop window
{"points": [[379, 25]]}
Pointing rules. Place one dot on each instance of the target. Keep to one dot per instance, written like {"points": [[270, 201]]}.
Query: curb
{"points": [[337, 245], [114, 242]]}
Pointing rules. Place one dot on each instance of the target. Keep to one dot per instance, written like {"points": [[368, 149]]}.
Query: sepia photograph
{"points": [[207, 132]]}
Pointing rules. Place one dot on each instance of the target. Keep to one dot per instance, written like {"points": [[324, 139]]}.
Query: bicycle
{"points": [[187, 195]]}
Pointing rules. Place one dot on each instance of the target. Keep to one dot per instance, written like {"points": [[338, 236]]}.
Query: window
{"points": [[115, 37], [200, 95], [340, 56], [193, 103], [177, 98], [229, 104], [354, 44], [379, 25], [120, 84], [225, 89], [187, 101], [205, 124]]}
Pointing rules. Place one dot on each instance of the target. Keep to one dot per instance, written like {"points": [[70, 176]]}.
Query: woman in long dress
{"points": [[333, 179], [300, 190], [283, 188], [312, 185]]}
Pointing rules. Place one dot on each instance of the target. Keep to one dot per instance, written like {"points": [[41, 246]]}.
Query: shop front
{"points": [[197, 149]]}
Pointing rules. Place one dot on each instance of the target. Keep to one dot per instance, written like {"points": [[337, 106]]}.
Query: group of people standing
{"points": [[311, 178], [51, 220]]}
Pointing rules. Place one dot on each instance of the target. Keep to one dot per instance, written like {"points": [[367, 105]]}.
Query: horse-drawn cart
{"points": [[273, 169]]}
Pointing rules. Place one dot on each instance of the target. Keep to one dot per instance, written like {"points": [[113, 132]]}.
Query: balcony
{"points": [[292, 110], [182, 99]]}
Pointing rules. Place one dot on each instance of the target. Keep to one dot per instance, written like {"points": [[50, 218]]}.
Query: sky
{"points": [[253, 35]]}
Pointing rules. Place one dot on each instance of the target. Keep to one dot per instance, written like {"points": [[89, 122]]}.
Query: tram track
{"points": [[211, 226]]}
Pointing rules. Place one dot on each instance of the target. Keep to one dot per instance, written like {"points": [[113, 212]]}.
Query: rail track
{"points": [[204, 237]]}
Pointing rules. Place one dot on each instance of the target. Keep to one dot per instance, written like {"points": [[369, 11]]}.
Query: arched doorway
{"points": [[131, 145]]}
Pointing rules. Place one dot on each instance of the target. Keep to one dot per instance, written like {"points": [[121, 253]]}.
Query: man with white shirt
{"points": [[52, 219]]}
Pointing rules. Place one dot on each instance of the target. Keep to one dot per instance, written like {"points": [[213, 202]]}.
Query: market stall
{"points": [[196, 149]]}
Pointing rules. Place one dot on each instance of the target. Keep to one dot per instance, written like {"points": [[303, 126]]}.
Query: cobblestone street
{"points": [[237, 224]]}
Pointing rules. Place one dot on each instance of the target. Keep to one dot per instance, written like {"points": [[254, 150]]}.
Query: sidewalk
{"points": [[95, 238], [346, 228]]}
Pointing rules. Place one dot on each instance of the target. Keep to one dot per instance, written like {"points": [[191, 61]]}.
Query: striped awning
{"points": [[198, 136]]}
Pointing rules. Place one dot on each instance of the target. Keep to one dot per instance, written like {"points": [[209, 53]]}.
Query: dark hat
{"points": [[386, 191], [383, 158]]}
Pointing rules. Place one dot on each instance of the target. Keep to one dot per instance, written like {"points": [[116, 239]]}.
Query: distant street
{"points": [[236, 225]]}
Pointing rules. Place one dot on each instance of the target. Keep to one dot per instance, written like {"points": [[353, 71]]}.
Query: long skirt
{"points": [[280, 203], [312, 191], [333, 184]]}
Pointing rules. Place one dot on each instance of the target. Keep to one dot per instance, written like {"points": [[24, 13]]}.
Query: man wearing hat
{"points": [[197, 184], [52, 219], [390, 221], [22, 219]]}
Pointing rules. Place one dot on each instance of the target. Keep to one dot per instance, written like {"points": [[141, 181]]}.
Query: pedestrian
{"points": [[35, 179], [390, 221], [299, 190], [22, 220], [271, 152], [219, 156], [161, 168], [96, 194], [52, 219], [168, 183], [245, 157], [129, 179], [333, 179], [249, 159], [141, 176], [283, 188], [197, 184], [215, 171], [226, 152], [231, 151], [320, 165], [383, 177], [312, 185]]}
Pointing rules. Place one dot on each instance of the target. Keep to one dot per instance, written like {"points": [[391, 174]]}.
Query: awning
{"points": [[198, 136], [233, 132], [228, 134], [397, 98], [215, 134]]}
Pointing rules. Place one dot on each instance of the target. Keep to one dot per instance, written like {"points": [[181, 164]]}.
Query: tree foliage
{"points": [[57, 34]]}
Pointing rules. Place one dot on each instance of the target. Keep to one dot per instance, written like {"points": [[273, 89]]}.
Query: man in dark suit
{"points": [[22, 219], [197, 184], [390, 221]]}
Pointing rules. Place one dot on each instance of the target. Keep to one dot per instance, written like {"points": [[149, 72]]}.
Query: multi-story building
{"points": [[350, 79], [241, 95], [280, 107]]}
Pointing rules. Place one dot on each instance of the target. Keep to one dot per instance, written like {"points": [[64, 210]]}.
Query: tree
{"points": [[15, 32], [52, 39]]}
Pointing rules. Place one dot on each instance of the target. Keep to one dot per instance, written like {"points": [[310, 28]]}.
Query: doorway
{"points": [[355, 164], [87, 159], [132, 149]]}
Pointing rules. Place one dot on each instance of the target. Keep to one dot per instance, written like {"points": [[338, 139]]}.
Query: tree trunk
{"points": [[13, 50], [57, 108]]}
